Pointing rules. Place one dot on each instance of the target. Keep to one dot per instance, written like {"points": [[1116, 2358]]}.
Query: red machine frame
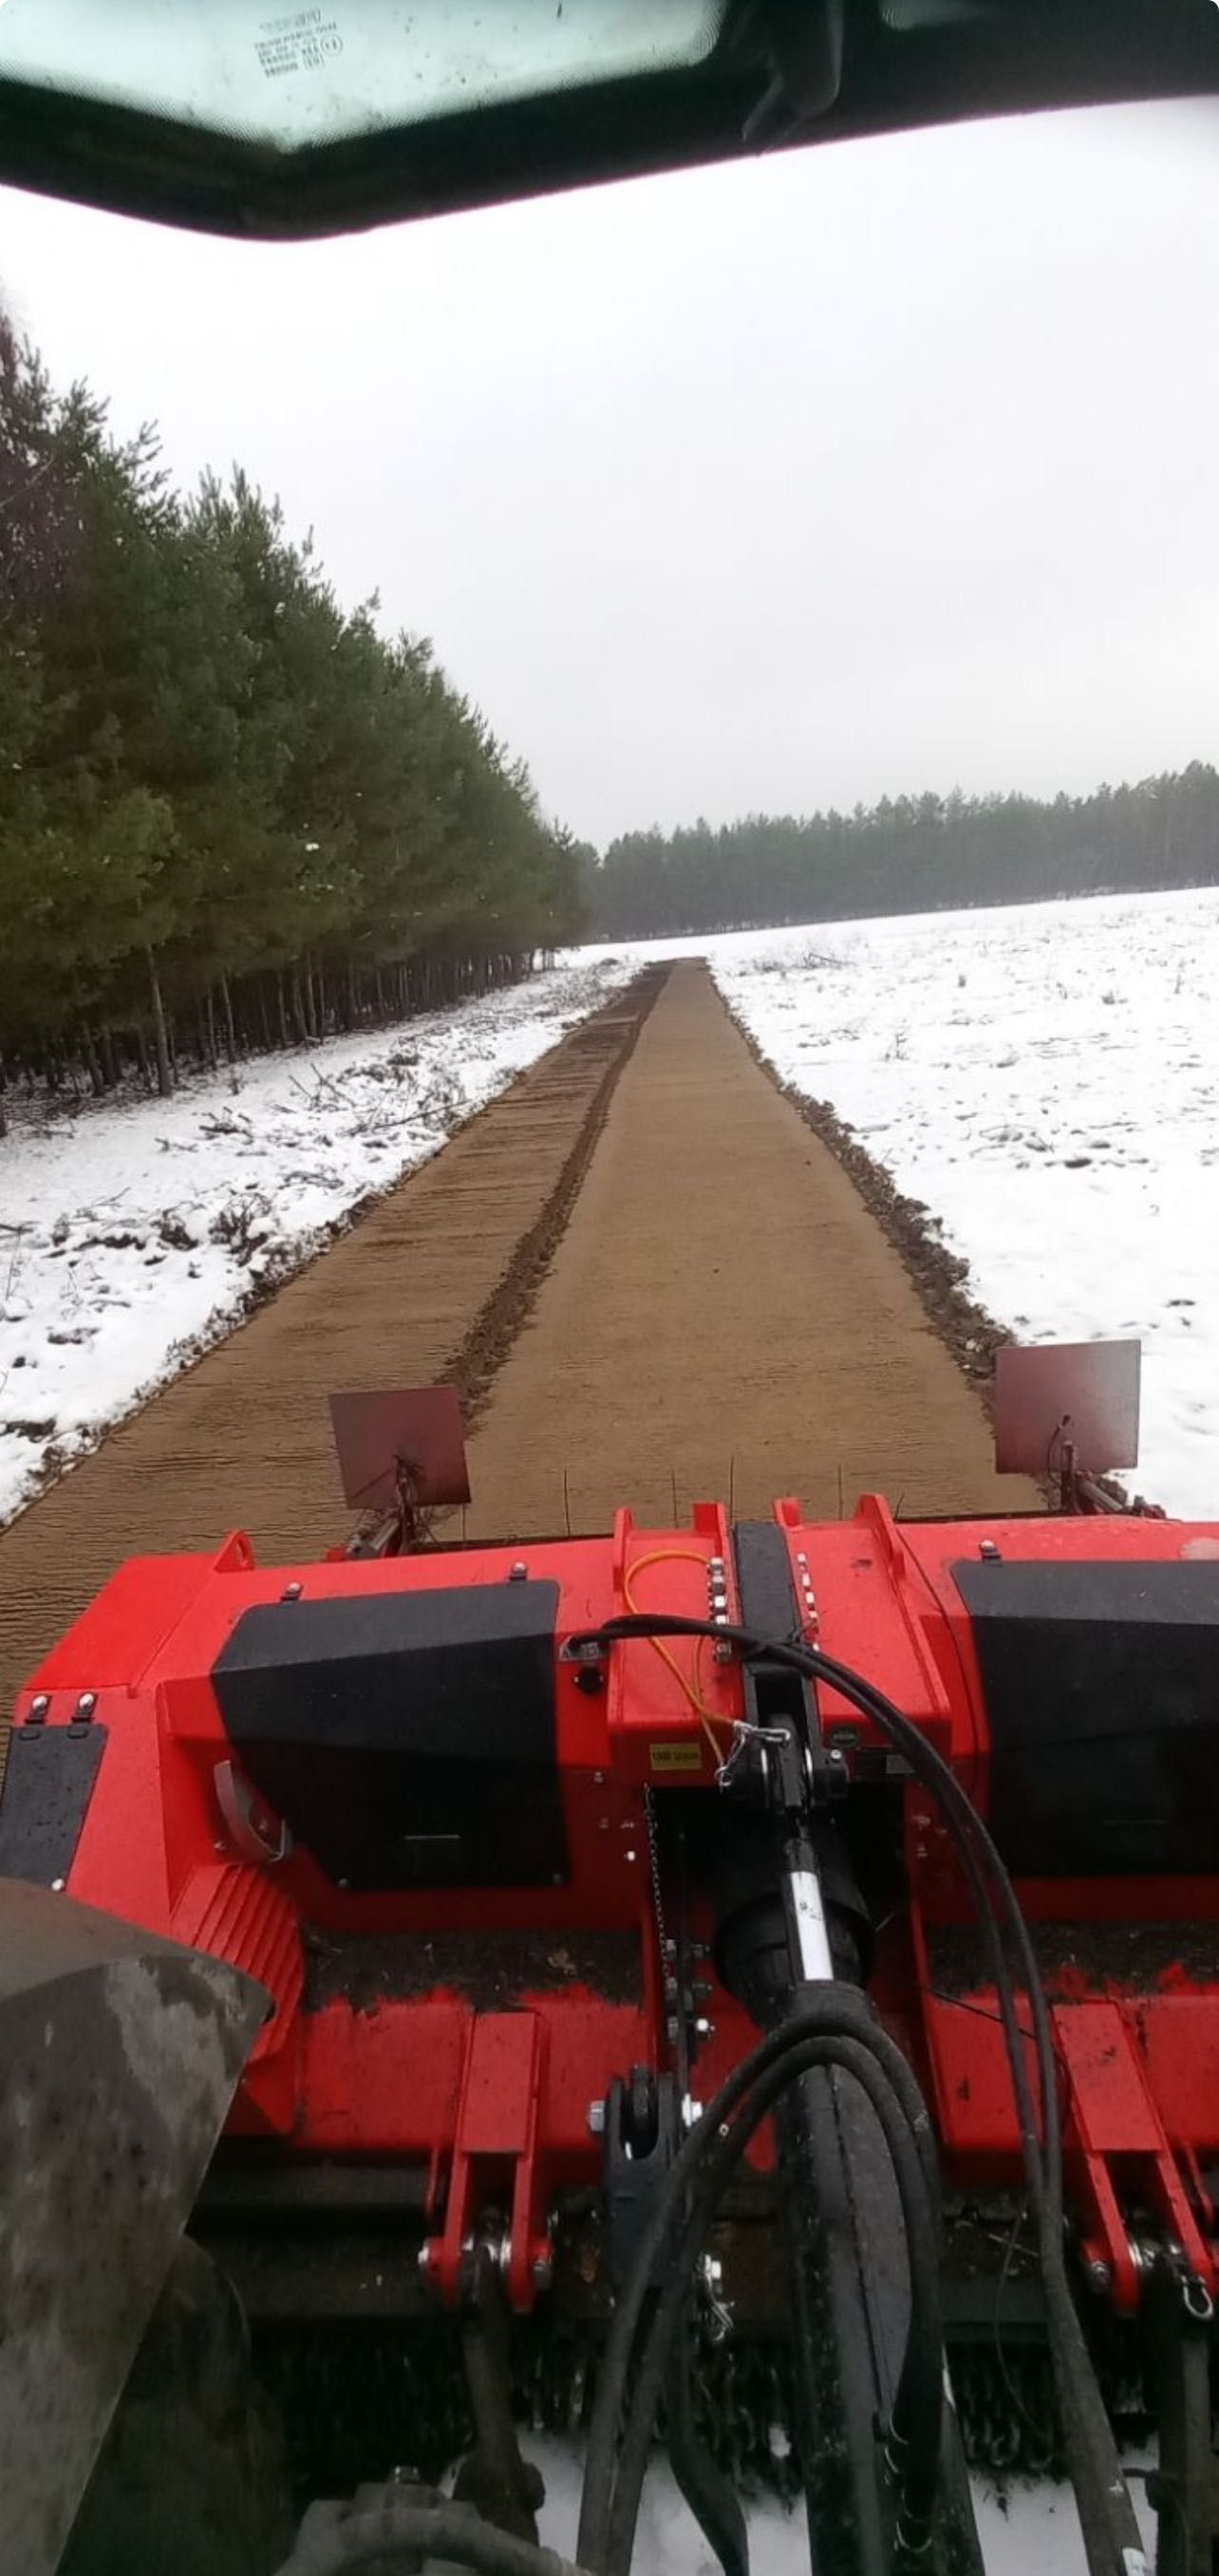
{"points": [[496, 2103]]}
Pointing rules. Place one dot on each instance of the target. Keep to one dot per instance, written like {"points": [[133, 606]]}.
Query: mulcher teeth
{"points": [[383, 2396]]}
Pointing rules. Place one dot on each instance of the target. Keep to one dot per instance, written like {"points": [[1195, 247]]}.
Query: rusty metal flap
{"points": [[387, 1432], [1084, 1392]]}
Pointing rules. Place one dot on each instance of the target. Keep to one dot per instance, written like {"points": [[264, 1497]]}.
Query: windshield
{"points": [[305, 76], [609, 1340]]}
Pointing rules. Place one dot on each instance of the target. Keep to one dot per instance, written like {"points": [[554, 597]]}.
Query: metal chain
{"points": [[674, 1961], [658, 1906]]}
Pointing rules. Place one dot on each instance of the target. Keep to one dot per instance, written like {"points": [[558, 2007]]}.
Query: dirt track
{"points": [[427, 1286], [643, 1269], [722, 1312]]}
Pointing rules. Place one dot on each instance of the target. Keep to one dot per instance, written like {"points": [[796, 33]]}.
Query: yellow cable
{"points": [[709, 1718]]}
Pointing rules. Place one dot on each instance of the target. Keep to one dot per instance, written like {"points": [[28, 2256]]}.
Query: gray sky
{"points": [[875, 467]]}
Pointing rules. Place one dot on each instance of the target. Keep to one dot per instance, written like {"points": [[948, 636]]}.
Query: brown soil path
{"points": [[427, 1286], [723, 1312], [640, 1265]]}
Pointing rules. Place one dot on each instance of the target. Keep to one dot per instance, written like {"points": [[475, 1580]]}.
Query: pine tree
{"points": [[225, 801]]}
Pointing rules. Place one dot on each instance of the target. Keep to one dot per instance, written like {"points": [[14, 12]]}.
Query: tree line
{"points": [[907, 854], [232, 815]]}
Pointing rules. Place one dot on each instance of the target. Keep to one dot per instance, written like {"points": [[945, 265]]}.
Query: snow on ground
{"points": [[1026, 2525], [1046, 1079], [133, 1235]]}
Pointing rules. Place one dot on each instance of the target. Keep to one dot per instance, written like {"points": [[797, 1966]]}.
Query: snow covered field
{"points": [[1046, 1079], [131, 1236]]}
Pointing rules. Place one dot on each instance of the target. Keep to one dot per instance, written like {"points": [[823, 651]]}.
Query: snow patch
{"points": [[1045, 1077], [134, 1236]]}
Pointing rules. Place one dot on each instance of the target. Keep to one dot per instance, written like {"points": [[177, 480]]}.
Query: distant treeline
{"points": [[909, 854], [231, 813]]}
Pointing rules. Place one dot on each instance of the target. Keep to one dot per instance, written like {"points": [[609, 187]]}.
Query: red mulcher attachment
{"points": [[540, 1853]]}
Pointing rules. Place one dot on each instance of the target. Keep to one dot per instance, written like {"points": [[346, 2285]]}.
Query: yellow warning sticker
{"points": [[676, 1757]]}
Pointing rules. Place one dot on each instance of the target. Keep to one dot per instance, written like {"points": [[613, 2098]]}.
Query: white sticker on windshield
{"points": [[303, 42]]}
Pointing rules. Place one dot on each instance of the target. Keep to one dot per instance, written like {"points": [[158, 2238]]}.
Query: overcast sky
{"points": [[869, 468]]}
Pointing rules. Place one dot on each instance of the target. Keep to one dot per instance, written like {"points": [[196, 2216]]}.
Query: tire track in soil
{"points": [[432, 1282], [474, 1365]]}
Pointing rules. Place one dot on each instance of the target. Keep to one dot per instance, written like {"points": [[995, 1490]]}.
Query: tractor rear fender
{"points": [[121, 2054]]}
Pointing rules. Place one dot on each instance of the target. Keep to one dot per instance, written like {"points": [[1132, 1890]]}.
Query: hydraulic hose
{"points": [[1112, 2540], [978, 1854], [842, 2013], [918, 2406], [829, 2014]]}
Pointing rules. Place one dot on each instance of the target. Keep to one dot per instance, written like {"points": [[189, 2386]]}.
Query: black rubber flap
{"points": [[48, 1783], [1102, 1698], [407, 1738]]}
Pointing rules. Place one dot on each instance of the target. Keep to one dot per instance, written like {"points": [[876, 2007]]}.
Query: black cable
{"points": [[1111, 2535], [918, 2405], [1107, 2517], [1041, 2435], [711, 2496], [826, 2013], [830, 2010], [975, 1847], [968, 1830]]}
